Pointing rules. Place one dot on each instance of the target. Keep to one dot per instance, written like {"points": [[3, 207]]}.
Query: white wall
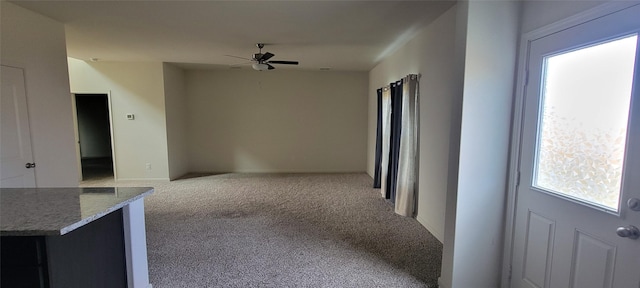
{"points": [[537, 14], [492, 33], [136, 88], [176, 119], [460, 49], [277, 121], [37, 45], [430, 53]]}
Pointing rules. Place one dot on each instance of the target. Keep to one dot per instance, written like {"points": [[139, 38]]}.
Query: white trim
{"points": [[144, 179], [514, 160], [433, 230], [135, 244], [514, 153], [113, 137], [76, 130]]}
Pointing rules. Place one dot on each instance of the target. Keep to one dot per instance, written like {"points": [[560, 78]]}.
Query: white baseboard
{"points": [[440, 283], [431, 229], [143, 179]]}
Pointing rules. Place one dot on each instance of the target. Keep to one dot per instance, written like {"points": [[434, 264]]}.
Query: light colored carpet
{"points": [[282, 230]]}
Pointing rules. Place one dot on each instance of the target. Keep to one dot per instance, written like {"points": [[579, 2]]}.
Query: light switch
{"points": [[130, 116]]}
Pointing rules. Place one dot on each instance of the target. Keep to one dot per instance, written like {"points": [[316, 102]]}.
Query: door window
{"points": [[585, 99]]}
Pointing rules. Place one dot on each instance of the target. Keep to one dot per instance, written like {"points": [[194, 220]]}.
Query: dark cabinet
{"points": [[23, 262], [90, 256]]}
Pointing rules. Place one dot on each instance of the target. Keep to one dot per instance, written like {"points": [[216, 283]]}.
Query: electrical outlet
{"points": [[148, 166]]}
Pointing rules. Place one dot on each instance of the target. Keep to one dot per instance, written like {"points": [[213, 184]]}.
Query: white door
{"points": [[16, 159], [580, 158]]}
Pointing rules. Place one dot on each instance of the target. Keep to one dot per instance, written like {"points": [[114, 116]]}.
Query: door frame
{"points": [[518, 113], [77, 133]]}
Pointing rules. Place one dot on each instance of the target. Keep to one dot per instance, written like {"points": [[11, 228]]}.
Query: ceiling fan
{"points": [[261, 61]]}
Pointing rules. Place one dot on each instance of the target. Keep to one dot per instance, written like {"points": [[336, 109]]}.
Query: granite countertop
{"points": [[58, 211]]}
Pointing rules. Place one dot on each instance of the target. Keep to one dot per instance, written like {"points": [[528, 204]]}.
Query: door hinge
{"points": [[526, 77], [518, 179], [510, 271]]}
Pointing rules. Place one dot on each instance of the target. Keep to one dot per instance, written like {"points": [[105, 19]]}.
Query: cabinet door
{"points": [[23, 262]]}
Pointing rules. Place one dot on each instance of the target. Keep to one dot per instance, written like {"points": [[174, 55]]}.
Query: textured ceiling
{"points": [[342, 35]]}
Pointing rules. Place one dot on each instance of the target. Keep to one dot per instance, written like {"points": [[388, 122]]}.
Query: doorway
{"points": [[576, 209], [94, 136]]}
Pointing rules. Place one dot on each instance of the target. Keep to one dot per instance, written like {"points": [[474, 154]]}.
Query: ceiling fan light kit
{"points": [[260, 66], [261, 61]]}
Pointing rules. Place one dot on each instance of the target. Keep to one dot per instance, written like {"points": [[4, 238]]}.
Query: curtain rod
{"points": [[413, 76]]}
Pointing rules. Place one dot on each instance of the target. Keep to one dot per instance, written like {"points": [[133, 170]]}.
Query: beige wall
{"points": [[176, 112], [277, 121], [136, 88], [430, 53], [37, 45]]}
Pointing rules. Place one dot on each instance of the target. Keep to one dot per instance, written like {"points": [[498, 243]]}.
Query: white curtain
{"points": [[406, 187], [386, 139]]}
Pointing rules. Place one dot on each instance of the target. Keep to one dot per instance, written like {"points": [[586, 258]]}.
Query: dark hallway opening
{"points": [[94, 133]]}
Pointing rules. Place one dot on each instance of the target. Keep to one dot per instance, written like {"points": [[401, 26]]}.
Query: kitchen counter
{"points": [[73, 237], [58, 211]]}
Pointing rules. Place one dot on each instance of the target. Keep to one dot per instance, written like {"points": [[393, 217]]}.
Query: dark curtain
{"points": [[378, 167], [394, 145], [397, 143]]}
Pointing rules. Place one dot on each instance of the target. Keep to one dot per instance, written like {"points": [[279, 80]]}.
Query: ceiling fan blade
{"points": [[267, 56], [242, 63], [271, 67], [238, 57], [262, 57], [284, 62]]}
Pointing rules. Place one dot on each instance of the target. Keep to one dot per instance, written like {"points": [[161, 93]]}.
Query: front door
{"points": [[578, 201], [16, 159]]}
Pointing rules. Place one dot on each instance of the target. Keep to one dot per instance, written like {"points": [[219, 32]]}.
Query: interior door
{"points": [[577, 198], [16, 159]]}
